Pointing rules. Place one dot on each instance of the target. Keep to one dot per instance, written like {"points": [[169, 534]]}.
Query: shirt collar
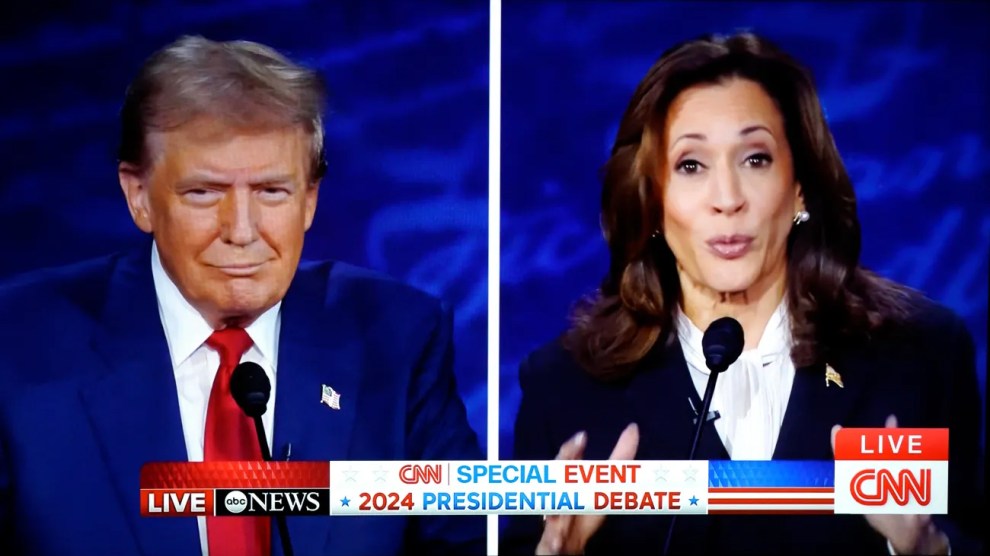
{"points": [[186, 329], [775, 341]]}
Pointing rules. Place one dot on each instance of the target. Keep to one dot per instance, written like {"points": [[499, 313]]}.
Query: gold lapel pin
{"points": [[832, 376]]}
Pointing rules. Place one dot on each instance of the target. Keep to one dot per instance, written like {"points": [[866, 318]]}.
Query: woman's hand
{"points": [[907, 534], [568, 534]]}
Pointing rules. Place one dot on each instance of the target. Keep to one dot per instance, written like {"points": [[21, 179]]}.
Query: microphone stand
{"points": [[702, 418], [283, 529]]}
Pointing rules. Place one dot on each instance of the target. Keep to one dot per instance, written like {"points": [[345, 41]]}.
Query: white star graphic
{"points": [[350, 475], [660, 474], [379, 475], [689, 474]]}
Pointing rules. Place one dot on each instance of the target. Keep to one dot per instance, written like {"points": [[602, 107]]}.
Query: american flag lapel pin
{"points": [[832, 377], [330, 397]]}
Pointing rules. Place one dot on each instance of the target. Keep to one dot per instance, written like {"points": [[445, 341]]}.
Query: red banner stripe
{"points": [[235, 474], [771, 501], [753, 511], [821, 490]]}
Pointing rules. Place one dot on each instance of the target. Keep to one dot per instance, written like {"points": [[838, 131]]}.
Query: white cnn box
{"points": [[892, 471]]}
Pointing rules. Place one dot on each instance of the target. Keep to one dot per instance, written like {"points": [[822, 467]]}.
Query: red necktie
{"points": [[230, 436]]}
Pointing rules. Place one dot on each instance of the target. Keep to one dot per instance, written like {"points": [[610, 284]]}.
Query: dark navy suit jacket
{"points": [[924, 374], [87, 395]]}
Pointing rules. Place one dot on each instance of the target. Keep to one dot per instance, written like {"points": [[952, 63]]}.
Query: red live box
{"points": [[892, 444], [176, 502]]}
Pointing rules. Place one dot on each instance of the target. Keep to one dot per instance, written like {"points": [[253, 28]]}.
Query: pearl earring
{"points": [[801, 216]]}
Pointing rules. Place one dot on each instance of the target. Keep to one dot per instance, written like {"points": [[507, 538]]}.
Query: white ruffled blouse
{"points": [[751, 395]]}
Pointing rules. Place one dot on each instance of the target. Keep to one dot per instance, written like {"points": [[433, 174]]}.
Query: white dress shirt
{"points": [[195, 364], [751, 395]]}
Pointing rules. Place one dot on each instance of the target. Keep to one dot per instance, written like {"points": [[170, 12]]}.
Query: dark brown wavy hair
{"points": [[831, 298]]}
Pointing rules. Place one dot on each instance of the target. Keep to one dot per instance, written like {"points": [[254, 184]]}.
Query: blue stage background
{"points": [[904, 86], [406, 191]]}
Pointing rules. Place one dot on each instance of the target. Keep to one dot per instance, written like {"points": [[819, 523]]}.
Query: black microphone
{"points": [[721, 345], [251, 389]]}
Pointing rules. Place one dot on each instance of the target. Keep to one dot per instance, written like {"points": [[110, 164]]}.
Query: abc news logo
{"points": [[258, 502], [248, 502]]}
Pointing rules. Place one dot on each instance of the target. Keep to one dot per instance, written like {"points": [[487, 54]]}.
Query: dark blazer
{"points": [[87, 395], [924, 374]]}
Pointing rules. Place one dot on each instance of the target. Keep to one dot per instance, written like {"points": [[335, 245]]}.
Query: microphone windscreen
{"points": [[251, 389], [722, 343]]}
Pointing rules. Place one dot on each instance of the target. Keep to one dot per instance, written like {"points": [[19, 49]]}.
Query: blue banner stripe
{"points": [[771, 474]]}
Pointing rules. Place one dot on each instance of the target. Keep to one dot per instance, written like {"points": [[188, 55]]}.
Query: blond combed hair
{"points": [[241, 83]]}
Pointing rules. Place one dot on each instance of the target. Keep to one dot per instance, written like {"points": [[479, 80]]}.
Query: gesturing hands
{"points": [[907, 534], [568, 534]]}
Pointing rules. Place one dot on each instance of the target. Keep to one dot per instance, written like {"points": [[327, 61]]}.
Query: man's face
{"points": [[228, 209]]}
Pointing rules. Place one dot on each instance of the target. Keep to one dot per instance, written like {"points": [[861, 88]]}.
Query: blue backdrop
{"points": [[904, 87], [406, 191]]}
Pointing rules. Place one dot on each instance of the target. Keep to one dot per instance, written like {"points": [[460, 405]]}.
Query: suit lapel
{"points": [[317, 346], [816, 405], [664, 400], [659, 395], [134, 408]]}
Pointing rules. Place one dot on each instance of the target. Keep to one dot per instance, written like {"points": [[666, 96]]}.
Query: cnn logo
{"points": [[414, 474], [892, 471], [875, 487]]}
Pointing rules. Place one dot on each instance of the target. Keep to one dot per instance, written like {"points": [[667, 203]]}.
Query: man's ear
{"points": [[312, 195], [134, 184]]}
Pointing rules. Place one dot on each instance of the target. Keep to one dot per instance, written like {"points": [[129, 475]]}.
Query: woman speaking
{"points": [[725, 196]]}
